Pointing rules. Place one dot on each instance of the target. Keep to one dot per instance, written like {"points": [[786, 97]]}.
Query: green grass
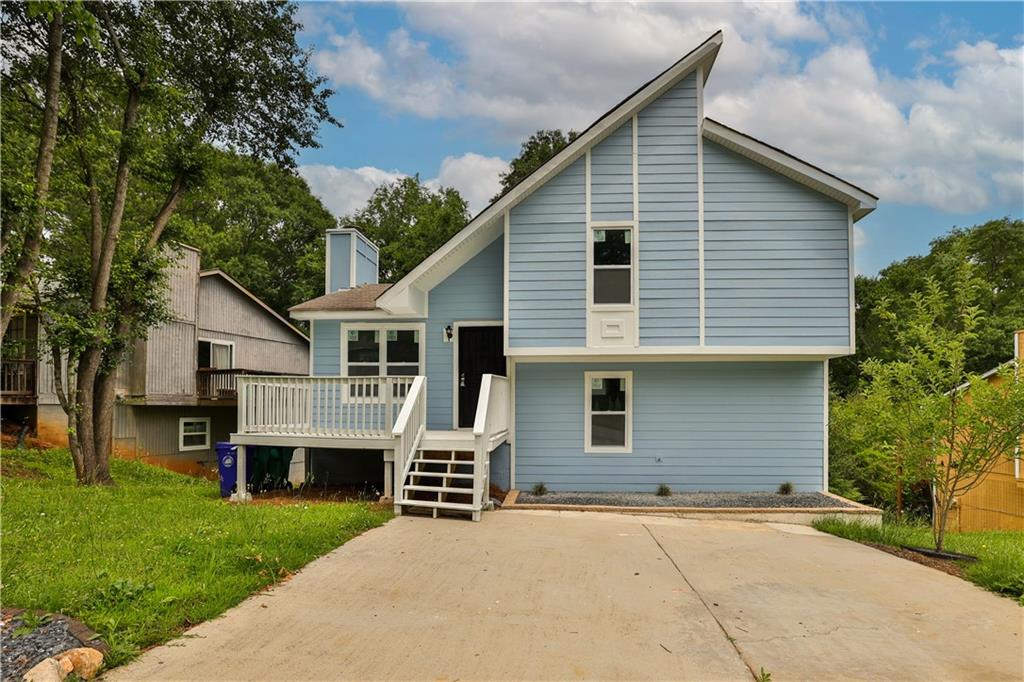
{"points": [[157, 552], [1000, 565]]}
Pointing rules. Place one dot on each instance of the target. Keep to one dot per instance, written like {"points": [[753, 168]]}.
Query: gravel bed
{"points": [[19, 654], [742, 500]]}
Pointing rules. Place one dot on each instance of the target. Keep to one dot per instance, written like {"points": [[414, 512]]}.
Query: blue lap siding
{"points": [[712, 426]]}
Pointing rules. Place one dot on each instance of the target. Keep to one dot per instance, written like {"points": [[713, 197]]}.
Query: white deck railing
{"points": [[409, 429], [490, 429], [339, 407]]}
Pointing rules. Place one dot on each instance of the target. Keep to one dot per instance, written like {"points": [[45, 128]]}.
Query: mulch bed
{"points": [[19, 651], [701, 500], [949, 566]]}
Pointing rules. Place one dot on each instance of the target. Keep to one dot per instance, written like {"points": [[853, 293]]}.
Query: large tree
{"points": [[534, 153], [167, 83], [409, 221], [996, 249], [260, 224]]}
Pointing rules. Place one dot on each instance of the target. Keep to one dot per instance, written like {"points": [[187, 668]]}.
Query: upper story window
{"points": [[613, 266], [216, 354]]}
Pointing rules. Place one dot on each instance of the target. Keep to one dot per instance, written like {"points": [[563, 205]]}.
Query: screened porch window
{"points": [[613, 270], [609, 414]]}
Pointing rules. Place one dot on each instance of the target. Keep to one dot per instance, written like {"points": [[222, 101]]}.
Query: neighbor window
{"points": [[193, 433], [613, 273], [609, 412], [215, 355], [372, 352]]}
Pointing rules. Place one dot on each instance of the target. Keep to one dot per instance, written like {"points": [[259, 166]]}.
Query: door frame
{"points": [[455, 362]]}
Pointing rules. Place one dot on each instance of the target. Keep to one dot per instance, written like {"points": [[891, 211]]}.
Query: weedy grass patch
{"points": [[140, 561], [1000, 565]]}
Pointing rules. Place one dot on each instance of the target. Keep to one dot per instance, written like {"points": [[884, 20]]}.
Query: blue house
{"points": [[657, 304]]}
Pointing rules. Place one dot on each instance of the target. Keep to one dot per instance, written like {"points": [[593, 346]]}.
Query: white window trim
{"points": [[591, 267], [588, 378], [181, 434], [381, 329], [220, 342]]}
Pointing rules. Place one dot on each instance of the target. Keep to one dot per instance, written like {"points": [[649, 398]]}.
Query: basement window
{"points": [[193, 433], [609, 412]]}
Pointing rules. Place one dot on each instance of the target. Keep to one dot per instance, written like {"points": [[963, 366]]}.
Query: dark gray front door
{"points": [[481, 352]]}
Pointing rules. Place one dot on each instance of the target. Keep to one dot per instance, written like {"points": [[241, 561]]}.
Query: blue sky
{"points": [[920, 103]]}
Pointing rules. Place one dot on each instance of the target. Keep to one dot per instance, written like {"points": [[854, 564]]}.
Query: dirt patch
{"points": [[9, 469], [945, 565], [318, 495]]}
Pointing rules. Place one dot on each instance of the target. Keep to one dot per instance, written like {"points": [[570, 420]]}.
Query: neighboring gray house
{"points": [[177, 390], [657, 304]]}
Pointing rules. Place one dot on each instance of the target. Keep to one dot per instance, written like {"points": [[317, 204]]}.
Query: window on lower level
{"points": [[193, 433], [613, 269], [379, 352], [609, 412]]}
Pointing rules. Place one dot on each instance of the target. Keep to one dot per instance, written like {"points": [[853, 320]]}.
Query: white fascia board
{"points": [[549, 354], [355, 231], [857, 199], [704, 54], [353, 315]]}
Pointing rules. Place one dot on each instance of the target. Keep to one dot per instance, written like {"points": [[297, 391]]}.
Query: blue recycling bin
{"points": [[227, 467]]}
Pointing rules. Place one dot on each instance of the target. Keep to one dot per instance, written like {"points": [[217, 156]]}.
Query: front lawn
{"points": [[158, 552], [1000, 565]]}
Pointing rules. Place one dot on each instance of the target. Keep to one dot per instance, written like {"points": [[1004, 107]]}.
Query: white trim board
{"points": [[683, 352], [446, 259]]}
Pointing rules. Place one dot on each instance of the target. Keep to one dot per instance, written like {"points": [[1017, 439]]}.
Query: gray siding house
{"points": [[177, 391], [657, 304]]}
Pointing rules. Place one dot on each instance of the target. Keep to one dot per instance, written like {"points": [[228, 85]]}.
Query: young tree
{"points": [[169, 81], [937, 419], [534, 153], [409, 221]]}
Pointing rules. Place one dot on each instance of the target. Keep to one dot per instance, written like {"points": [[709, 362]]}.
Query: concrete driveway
{"points": [[534, 595]]}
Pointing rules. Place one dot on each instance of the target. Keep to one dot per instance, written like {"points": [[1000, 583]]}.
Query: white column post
{"points": [[389, 474], [241, 490]]}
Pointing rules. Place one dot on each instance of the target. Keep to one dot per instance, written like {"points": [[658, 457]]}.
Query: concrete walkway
{"points": [[535, 595]]}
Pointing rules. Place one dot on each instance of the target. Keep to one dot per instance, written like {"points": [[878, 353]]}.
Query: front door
{"points": [[481, 351]]}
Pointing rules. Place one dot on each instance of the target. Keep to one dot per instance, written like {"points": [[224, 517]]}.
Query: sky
{"points": [[920, 103]]}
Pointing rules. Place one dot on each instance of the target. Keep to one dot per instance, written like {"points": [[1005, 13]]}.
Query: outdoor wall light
{"points": [[449, 332]]}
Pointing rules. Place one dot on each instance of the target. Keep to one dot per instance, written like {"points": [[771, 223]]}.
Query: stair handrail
{"points": [[408, 432], [490, 423]]}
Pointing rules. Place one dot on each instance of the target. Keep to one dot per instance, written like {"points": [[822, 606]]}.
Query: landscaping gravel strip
{"points": [[704, 500], [22, 650]]}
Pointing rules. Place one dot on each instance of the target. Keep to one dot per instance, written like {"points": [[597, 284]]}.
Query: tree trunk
{"points": [[103, 424], [12, 290]]}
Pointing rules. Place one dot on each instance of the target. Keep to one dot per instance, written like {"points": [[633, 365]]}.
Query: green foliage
{"points": [[995, 248], [785, 488], [663, 491], [409, 221], [157, 553], [1000, 565], [539, 489], [926, 416], [534, 153], [763, 676], [261, 225]]}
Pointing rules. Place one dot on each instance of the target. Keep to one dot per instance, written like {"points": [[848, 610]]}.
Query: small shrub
{"points": [[786, 488], [539, 489], [663, 491], [764, 676]]}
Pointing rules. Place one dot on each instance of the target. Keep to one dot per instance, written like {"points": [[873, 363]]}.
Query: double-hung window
{"points": [[193, 433], [382, 351], [613, 266], [609, 412]]}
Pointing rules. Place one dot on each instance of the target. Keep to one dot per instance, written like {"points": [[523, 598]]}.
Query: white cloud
{"points": [[346, 190], [954, 143]]}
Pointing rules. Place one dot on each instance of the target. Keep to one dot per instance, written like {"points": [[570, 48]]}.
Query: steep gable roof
{"points": [[408, 295], [217, 272]]}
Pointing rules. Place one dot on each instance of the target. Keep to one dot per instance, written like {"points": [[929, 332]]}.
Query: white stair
{"points": [[441, 480]]}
